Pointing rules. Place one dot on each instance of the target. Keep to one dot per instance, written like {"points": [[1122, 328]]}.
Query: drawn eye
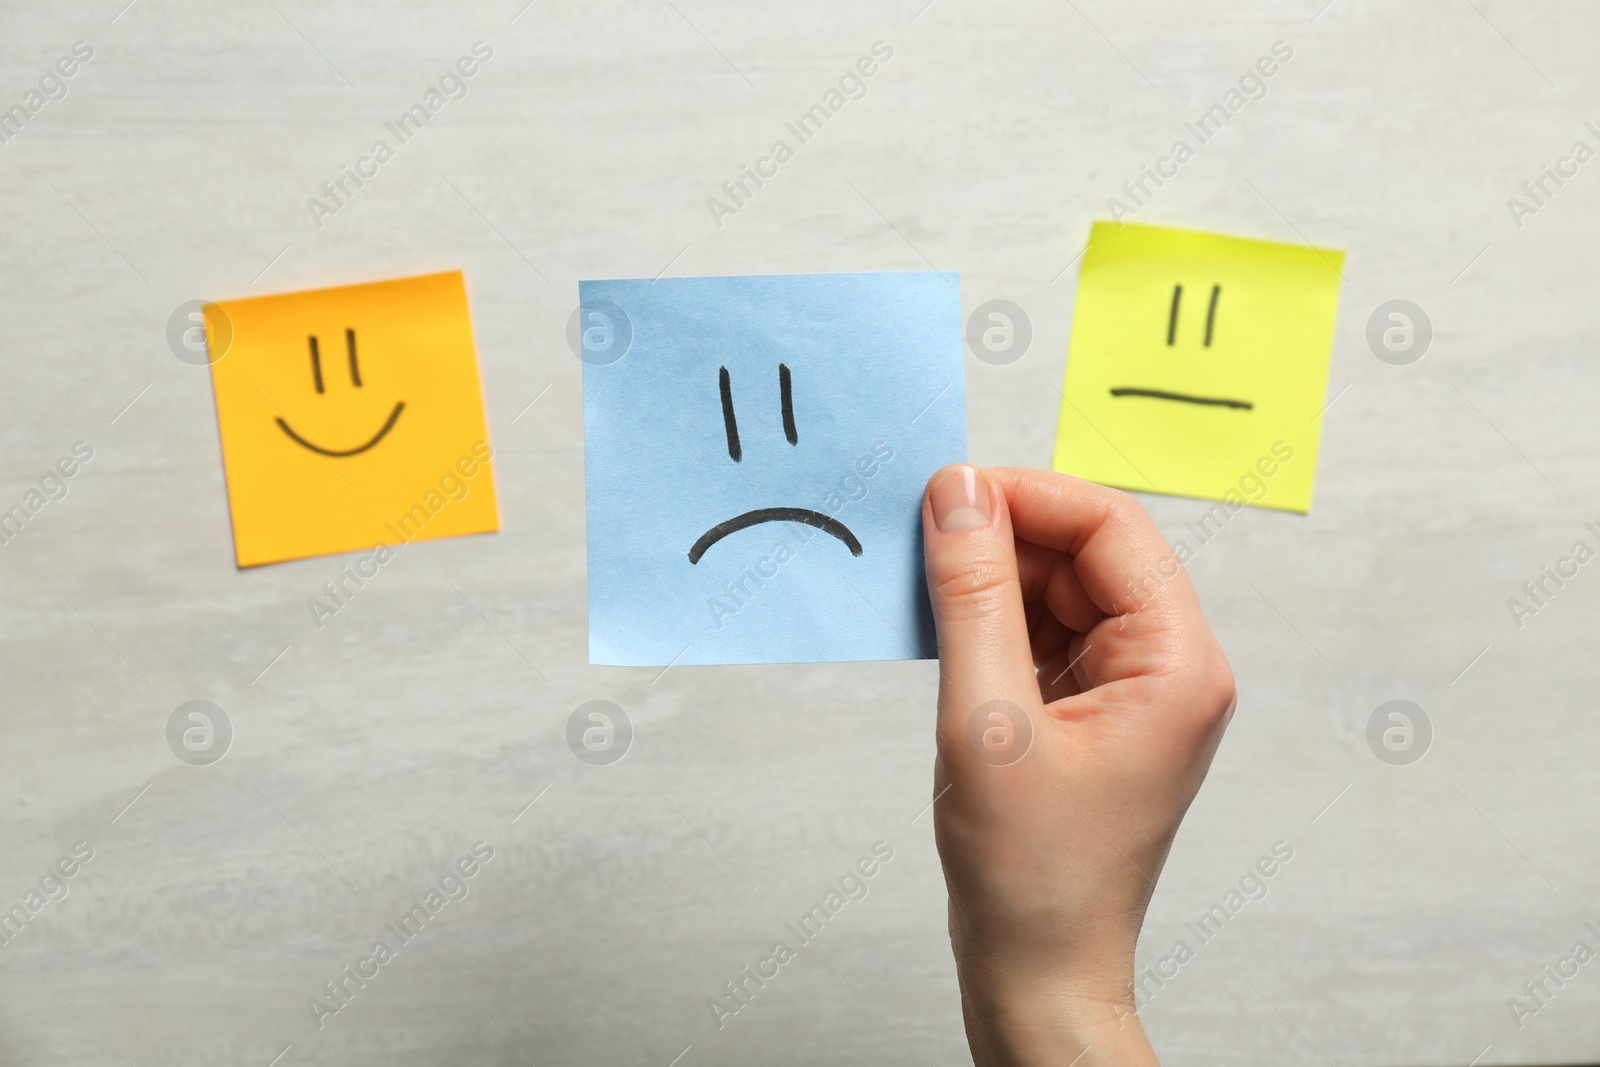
{"points": [[355, 371], [785, 388], [729, 422], [316, 364]]}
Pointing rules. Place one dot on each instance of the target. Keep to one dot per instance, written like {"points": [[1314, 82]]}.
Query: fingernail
{"points": [[960, 500]]}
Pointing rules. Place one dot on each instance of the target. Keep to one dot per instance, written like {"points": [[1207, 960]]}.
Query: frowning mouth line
{"points": [[826, 523], [1158, 394], [319, 450]]}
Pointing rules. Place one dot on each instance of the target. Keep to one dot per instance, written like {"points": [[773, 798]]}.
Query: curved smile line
{"points": [[825, 523], [1160, 394], [319, 450]]}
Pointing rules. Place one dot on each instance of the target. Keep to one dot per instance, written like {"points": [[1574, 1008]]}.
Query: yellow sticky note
{"points": [[350, 418], [1198, 365]]}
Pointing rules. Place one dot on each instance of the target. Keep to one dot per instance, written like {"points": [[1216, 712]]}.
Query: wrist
{"points": [[1018, 1020]]}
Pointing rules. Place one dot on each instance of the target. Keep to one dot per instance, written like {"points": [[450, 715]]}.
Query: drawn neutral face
{"points": [[355, 382], [756, 516], [1173, 343], [1196, 360], [341, 409]]}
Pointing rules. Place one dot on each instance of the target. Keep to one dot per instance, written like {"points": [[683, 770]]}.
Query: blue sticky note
{"points": [[755, 452]]}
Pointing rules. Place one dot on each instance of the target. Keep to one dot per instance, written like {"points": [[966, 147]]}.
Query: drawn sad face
{"points": [[756, 516], [1198, 362], [755, 462], [351, 417]]}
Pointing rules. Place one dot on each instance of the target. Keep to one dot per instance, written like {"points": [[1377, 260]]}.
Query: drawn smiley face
{"points": [[755, 464], [355, 381], [1198, 362], [350, 417]]}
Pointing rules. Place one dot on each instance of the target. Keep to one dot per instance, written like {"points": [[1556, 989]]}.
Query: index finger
{"points": [[1118, 552]]}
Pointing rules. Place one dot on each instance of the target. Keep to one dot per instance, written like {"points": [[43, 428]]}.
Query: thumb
{"points": [[985, 654]]}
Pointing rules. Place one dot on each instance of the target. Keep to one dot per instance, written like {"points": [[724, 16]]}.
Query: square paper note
{"points": [[1198, 365], [755, 455], [350, 418]]}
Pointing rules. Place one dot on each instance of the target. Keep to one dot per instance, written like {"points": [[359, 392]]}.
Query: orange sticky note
{"points": [[350, 418]]}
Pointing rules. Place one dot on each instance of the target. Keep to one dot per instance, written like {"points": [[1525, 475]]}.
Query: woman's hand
{"points": [[1081, 698]]}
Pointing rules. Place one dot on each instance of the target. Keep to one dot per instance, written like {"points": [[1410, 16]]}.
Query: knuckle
{"points": [[1217, 687], [1123, 507], [978, 587]]}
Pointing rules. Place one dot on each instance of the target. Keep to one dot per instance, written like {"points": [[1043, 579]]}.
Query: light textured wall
{"points": [[372, 753]]}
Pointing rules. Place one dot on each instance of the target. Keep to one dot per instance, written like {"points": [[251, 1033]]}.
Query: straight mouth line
{"points": [[825, 523], [1211, 401], [319, 450]]}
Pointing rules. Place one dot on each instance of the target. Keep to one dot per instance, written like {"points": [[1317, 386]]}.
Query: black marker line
{"points": [[785, 388], [1242, 405], [316, 363], [1211, 312], [319, 450], [727, 414], [355, 372], [1172, 318], [825, 523]]}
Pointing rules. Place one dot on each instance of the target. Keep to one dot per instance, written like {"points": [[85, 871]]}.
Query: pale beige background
{"points": [[423, 718]]}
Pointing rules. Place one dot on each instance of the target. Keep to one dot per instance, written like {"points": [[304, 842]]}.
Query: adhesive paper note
{"points": [[350, 418], [755, 454], [1198, 365]]}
